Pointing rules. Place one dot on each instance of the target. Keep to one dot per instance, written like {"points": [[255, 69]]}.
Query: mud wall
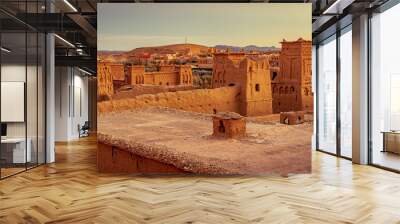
{"points": [[148, 89], [201, 100]]}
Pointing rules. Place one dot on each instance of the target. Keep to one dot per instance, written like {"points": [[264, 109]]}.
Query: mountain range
{"points": [[246, 48], [179, 48]]}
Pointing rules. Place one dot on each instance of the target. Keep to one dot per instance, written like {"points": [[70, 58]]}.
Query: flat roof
{"points": [[183, 139]]}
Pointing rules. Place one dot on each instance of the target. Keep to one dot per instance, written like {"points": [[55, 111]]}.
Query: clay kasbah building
{"points": [[206, 110], [248, 83]]}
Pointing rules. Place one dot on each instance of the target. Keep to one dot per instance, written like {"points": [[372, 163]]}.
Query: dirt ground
{"points": [[184, 140]]}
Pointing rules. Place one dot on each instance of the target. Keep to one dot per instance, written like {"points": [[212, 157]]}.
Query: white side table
{"points": [[19, 153]]}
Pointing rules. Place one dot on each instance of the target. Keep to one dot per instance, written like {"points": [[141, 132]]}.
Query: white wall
{"points": [[71, 93], [62, 81], [33, 127], [16, 73]]}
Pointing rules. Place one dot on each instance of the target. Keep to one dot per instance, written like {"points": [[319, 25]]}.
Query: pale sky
{"points": [[125, 26]]}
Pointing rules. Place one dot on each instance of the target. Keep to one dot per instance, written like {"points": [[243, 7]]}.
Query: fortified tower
{"points": [[249, 72], [291, 85], [105, 87]]}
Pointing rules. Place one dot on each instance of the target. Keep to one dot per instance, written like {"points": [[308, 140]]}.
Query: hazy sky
{"points": [[125, 26]]}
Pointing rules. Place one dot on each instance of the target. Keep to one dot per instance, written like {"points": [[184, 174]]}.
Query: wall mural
{"points": [[216, 89]]}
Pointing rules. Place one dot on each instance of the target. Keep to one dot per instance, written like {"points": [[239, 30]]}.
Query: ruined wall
{"points": [[201, 100]]}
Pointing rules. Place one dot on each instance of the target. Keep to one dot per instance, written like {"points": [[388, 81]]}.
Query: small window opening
{"points": [[221, 127]]}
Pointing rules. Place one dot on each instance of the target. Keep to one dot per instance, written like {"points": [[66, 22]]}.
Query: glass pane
{"points": [[346, 94], [13, 87], [386, 89], [327, 96], [314, 74]]}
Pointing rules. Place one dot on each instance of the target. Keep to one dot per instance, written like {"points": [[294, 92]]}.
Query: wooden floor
{"points": [[71, 191], [386, 159]]}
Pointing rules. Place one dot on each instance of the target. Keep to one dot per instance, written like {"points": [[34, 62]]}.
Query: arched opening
{"points": [[257, 87], [221, 127], [286, 120]]}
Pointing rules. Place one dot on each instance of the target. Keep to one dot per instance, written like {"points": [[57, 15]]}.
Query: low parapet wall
{"points": [[137, 90], [200, 100]]}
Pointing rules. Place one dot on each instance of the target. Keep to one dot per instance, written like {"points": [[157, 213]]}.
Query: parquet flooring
{"points": [[71, 191]]}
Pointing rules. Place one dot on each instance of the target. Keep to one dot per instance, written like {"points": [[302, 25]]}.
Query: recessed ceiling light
{"points": [[64, 40], [337, 7], [86, 72], [70, 5], [5, 50]]}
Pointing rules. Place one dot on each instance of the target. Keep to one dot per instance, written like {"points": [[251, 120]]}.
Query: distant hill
{"points": [[112, 56], [246, 48], [174, 48], [109, 52]]}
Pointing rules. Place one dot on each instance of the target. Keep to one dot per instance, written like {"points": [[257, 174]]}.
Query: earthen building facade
{"points": [[269, 83], [169, 75], [258, 84]]}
